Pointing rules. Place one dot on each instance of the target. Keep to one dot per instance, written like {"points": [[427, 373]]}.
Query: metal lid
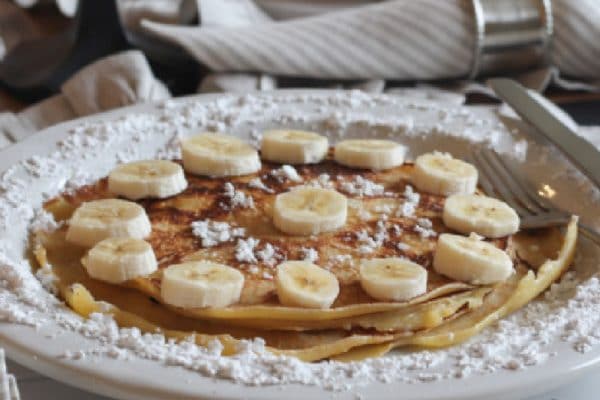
{"points": [[511, 35]]}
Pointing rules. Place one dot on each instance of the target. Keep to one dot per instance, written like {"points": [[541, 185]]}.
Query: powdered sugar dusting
{"points": [[247, 250], [309, 254], [236, 198], [212, 233], [286, 172], [257, 183], [360, 186], [412, 198], [323, 181], [424, 228], [244, 250], [569, 312]]}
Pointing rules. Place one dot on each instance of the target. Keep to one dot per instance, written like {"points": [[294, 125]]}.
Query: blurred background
{"points": [[60, 59]]}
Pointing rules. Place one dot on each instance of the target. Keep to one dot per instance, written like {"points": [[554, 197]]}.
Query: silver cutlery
{"points": [[552, 124], [501, 180]]}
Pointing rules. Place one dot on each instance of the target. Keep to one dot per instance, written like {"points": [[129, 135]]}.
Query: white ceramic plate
{"points": [[420, 124]]}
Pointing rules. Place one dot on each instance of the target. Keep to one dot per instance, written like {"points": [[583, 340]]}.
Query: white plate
{"points": [[421, 125]]}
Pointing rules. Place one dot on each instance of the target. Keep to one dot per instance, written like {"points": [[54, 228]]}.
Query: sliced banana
{"points": [[116, 260], [201, 284], [100, 219], [308, 211], [218, 155], [293, 147], [150, 178], [395, 279], [369, 153], [471, 260], [304, 284], [441, 174], [483, 215]]}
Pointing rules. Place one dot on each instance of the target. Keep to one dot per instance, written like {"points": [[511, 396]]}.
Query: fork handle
{"points": [[590, 233]]}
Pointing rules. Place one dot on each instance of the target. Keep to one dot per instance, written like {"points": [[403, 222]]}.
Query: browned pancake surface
{"points": [[340, 251]]}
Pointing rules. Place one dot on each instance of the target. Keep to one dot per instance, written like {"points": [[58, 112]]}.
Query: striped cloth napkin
{"points": [[397, 39]]}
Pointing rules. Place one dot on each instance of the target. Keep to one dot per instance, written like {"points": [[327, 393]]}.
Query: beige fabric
{"points": [[16, 127], [132, 12], [396, 39], [236, 83], [382, 40], [112, 82], [48, 112], [119, 80]]}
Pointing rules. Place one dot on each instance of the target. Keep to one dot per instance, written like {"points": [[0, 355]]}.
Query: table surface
{"points": [[583, 107]]}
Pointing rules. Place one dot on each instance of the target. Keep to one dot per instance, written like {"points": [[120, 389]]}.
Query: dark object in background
{"points": [[39, 66], [36, 68], [583, 112]]}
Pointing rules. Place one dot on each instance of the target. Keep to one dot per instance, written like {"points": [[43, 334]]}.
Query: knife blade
{"points": [[545, 117]]}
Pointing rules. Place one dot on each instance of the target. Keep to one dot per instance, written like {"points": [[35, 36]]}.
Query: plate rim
{"points": [[70, 373]]}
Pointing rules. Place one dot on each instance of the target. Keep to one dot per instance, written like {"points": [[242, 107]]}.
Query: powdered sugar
{"points": [[40, 167], [341, 258], [237, 198], [368, 243], [412, 198], [47, 278], [569, 312], [402, 246], [309, 254], [323, 181], [257, 183], [212, 233], [267, 254], [360, 186], [44, 221], [424, 228], [286, 172], [248, 251], [244, 250]]}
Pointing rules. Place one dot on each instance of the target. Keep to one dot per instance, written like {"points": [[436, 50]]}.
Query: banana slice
{"points": [[201, 284], [483, 215], [116, 260], [369, 153], [304, 284], [293, 147], [151, 178], [218, 155], [441, 174], [309, 211], [471, 260], [395, 279], [100, 219]]}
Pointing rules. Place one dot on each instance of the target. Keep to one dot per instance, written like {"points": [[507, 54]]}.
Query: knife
{"points": [[546, 118]]}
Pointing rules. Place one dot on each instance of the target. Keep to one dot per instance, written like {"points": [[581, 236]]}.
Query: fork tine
{"points": [[508, 176], [498, 184], [528, 188], [483, 180]]}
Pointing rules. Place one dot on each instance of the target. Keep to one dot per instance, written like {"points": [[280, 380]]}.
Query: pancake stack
{"points": [[340, 253]]}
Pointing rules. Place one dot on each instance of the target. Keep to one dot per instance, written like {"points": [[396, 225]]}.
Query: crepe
{"points": [[356, 326]]}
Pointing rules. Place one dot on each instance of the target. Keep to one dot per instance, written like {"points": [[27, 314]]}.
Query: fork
{"points": [[499, 179]]}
